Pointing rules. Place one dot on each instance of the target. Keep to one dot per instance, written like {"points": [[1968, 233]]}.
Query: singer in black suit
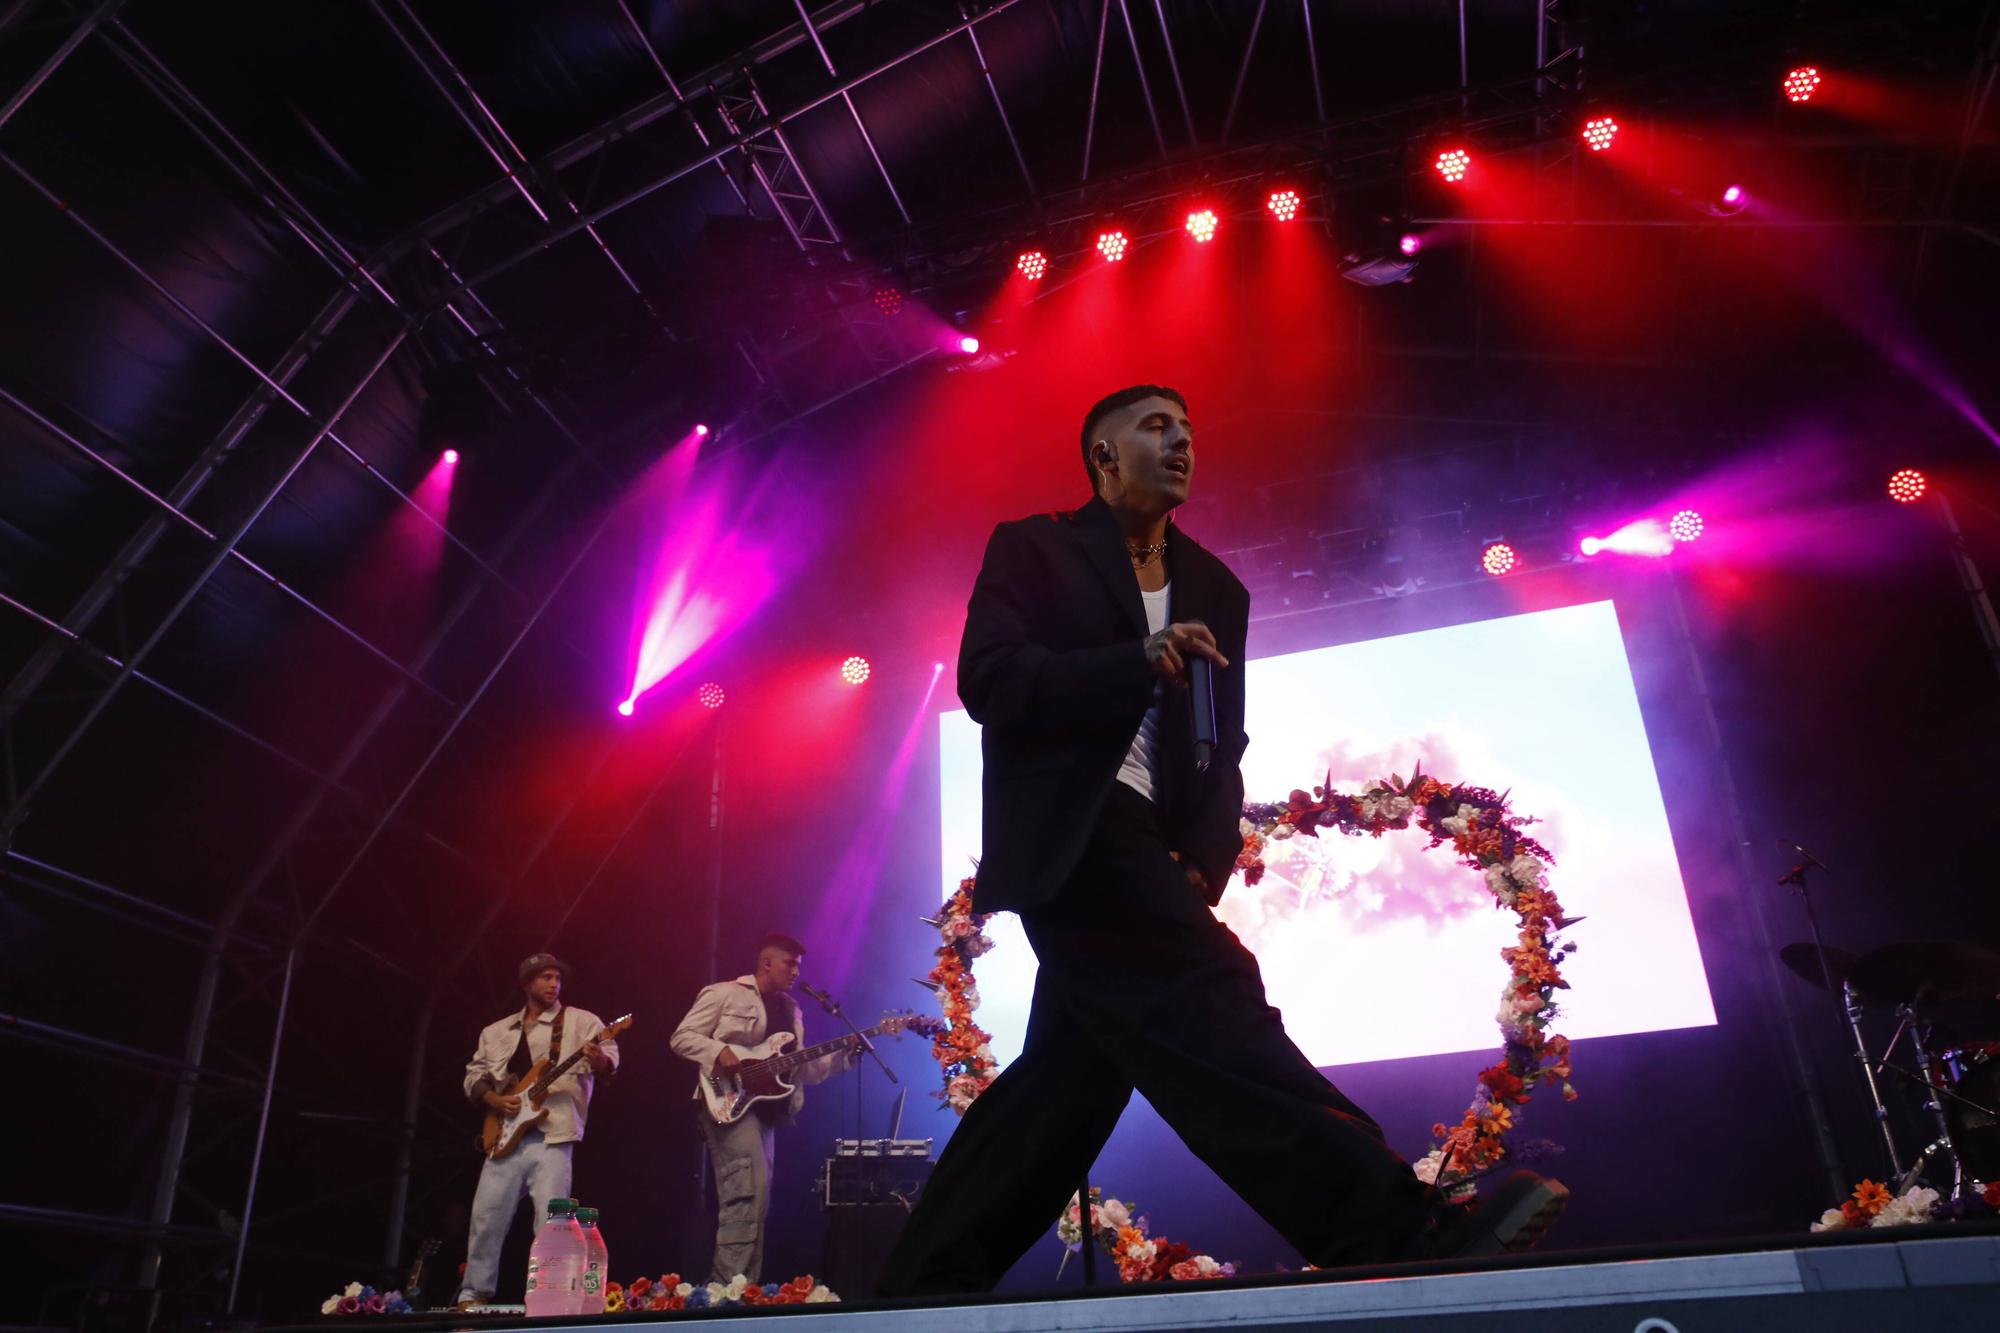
{"points": [[1102, 832]]}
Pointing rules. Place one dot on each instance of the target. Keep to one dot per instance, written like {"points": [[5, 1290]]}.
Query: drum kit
{"points": [[1935, 989]]}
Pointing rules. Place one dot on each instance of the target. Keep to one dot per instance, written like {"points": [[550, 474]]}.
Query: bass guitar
{"points": [[501, 1134], [759, 1075]]}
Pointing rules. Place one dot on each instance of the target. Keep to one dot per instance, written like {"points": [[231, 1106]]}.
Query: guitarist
{"points": [[744, 1012], [540, 1167]]}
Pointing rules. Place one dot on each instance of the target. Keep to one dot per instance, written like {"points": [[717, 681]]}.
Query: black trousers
{"points": [[1141, 987]]}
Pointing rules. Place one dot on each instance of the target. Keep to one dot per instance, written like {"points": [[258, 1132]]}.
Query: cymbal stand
{"points": [[1932, 1075]]}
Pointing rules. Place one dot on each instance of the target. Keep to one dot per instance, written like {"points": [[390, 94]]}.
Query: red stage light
{"points": [[1497, 559], [969, 345], [888, 300], [1599, 132], [1907, 486], [1201, 225], [710, 695], [1685, 526], [1452, 164], [1031, 265], [1111, 244], [1284, 204], [1801, 83], [1733, 195], [854, 670], [451, 455]]}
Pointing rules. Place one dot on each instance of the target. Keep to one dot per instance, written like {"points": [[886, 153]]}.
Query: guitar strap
{"points": [[523, 1059]]}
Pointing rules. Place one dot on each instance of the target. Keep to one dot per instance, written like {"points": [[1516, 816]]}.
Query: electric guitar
{"points": [[501, 1134], [760, 1077]]}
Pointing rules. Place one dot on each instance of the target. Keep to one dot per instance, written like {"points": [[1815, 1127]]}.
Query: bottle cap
{"points": [[561, 1206], [587, 1216]]}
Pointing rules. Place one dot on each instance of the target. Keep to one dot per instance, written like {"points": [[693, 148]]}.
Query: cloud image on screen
{"points": [[1377, 948]]}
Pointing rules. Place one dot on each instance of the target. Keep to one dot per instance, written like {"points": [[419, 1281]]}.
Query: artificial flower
{"points": [[1871, 1198]]}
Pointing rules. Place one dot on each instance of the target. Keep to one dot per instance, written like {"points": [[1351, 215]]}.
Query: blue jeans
{"points": [[537, 1169]]}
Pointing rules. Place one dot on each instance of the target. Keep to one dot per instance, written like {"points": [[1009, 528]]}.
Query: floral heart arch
{"points": [[1485, 835]]}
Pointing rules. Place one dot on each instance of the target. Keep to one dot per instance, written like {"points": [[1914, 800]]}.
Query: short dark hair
{"points": [[775, 940], [1110, 403]]}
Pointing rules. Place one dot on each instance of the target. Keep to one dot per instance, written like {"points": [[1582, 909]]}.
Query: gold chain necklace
{"points": [[1145, 555]]}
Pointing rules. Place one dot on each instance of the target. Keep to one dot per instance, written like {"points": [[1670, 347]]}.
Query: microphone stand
{"points": [[832, 1006], [1846, 1001]]}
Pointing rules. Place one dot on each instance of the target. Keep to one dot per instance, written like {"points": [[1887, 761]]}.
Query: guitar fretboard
{"points": [[792, 1059]]}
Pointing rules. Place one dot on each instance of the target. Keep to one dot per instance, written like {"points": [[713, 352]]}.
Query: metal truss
{"points": [[776, 170]]}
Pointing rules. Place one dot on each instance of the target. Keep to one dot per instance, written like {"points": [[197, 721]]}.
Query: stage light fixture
{"points": [[1599, 131], [969, 345], [1590, 545], [451, 455], [888, 300], [1031, 265], [1802, 83], [1111, 244], [1733, 196], [1453, 163], [709, 695], [1201, 226], [700, 431], [1497, 559], [1907, 486], [1283, 204], [625, 708], [1409, 243], [854, 670], [1685, 526]]}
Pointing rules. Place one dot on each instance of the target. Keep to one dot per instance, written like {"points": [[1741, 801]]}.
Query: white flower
{"points": [[1115, 1213], [1396, 807], [1500, 883], [353, 1289], [984, 1054], [1245, 827], [1428, 1165], [971, 996], [820, 1296], [1913, 1205], [736, 1287], [717, 1292], [1142, 1251], [330, 1305], [1283, 831], [1461, 821], [1831, 1220], [1528, 872], [1206, 1265]]}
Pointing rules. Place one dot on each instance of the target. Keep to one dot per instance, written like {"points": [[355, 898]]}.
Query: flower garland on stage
{"points": [[964, 1050], [1875, 1205], [670, 1293], [1486, 836], [1140, 1257]]}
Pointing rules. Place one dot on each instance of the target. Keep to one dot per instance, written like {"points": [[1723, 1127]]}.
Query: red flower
{"points": [[640, 1286], [1992, 1195]]}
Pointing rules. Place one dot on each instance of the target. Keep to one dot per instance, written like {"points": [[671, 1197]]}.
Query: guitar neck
{"points": [[811, 1053]]}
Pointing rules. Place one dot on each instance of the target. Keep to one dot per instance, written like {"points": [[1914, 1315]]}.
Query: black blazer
{"points": [[1053, 667]]}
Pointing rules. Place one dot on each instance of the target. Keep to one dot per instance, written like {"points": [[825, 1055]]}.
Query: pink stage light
{"points": [[888, 300], [1284, 204], [1111, 245], [1410, 243], [700, 431], [1685, 526], [1591, 545], [1031, 265], [1802, 83], [969, 345], [1201, 225], [1599, 132], [1908, 486], [1733, 195], [625, 708], [451, 455], [1646, 536], [1497, 559], [1453, 163], [710, 695], [855, 670]]}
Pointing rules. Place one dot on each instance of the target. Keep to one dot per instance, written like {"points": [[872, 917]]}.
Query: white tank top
{"points": [[1139, 768]]}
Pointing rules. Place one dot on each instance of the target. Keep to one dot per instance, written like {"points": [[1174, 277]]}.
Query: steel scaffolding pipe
{"points": [[83, 29], [1006, 122]]}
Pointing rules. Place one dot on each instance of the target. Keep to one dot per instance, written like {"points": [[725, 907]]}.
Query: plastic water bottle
{"points": [[555, 1261], [596, 1264]]}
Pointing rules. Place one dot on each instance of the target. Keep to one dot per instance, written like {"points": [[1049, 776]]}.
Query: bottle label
{"points": [[593, 1280], [534, 1274]]}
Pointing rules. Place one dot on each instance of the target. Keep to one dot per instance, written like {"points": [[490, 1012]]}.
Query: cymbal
{"points": [[1942, 971], [1803, 959]]}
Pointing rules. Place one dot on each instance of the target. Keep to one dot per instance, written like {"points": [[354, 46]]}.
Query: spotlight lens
{"points": [[451, 455], [700, 430], [1590, 545], [1599, 133], [1111, 245], [1497, 559], [888, 300], [1685, 526], [1031, 265], [1733, 195], [1907, 486], [1410, 243], [1452, 164], [710, 695], [626, 708], [1284, 204], [1201, 225], [854, 670], [968, 345], [1801, 83]]}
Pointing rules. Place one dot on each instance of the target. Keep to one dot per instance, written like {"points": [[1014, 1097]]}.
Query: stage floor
{"points": [[1937, 1279]]}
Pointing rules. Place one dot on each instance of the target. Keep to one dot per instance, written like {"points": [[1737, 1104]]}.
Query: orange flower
{"points": [[1871, 1197]]}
